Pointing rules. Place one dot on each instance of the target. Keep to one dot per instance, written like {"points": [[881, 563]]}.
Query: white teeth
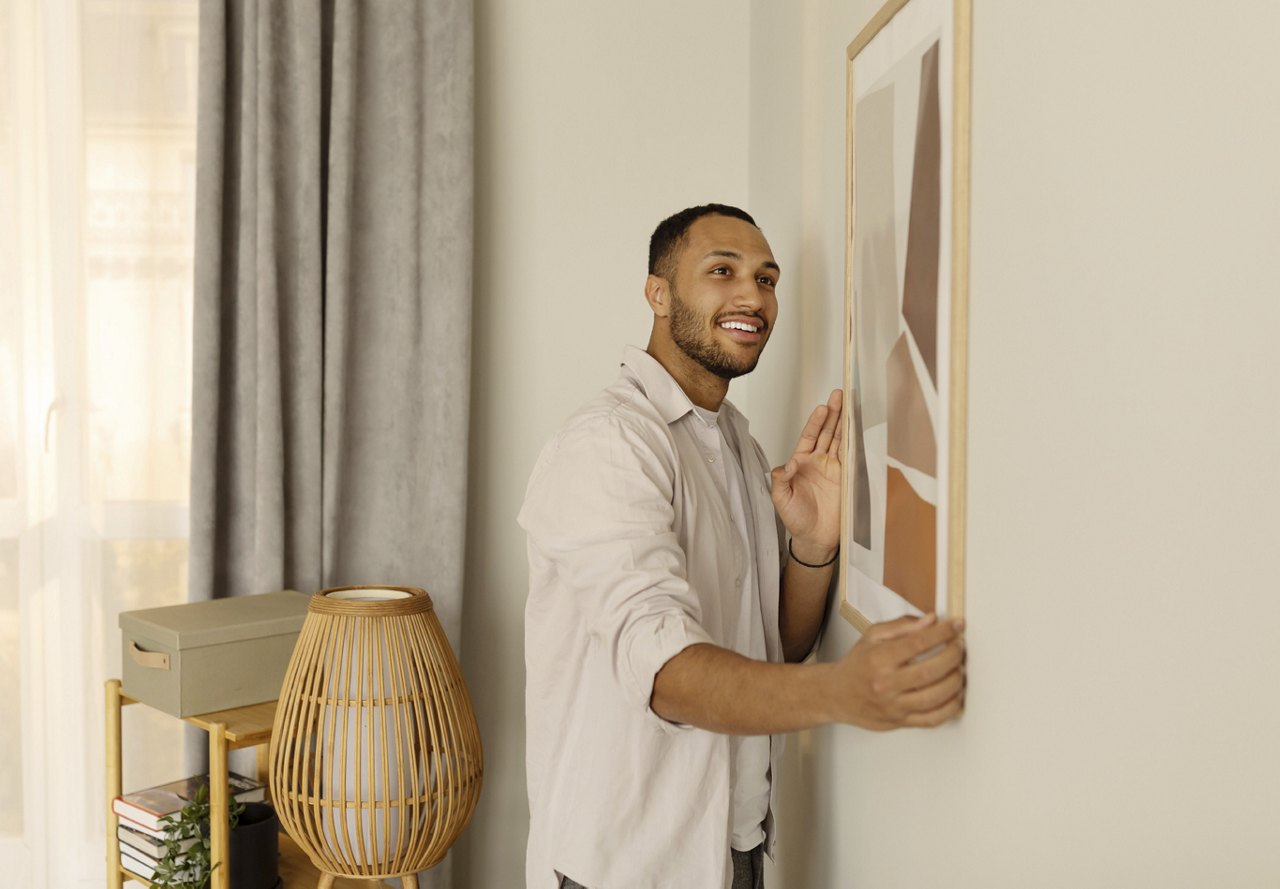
{"points": [[737, 325]]}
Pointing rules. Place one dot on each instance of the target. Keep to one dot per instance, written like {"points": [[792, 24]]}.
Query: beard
{"points": [[691, 333]]}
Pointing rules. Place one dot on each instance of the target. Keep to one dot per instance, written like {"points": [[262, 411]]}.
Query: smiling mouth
{"points": [[745, 326]]}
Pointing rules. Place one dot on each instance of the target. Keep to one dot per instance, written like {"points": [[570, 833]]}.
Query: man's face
{"points": [[723, 300]]}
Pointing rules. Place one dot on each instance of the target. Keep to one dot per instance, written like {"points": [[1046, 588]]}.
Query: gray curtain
{"points": [[332, 297]]}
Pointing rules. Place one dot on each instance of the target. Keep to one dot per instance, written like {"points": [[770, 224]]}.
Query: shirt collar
{"points": [[662, 390]]}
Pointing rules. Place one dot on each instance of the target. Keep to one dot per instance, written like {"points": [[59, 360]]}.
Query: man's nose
{"points": [[747, 294]]}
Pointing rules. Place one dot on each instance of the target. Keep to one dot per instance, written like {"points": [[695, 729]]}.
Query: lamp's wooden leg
{"points": [[326, 881], [409, 881]]}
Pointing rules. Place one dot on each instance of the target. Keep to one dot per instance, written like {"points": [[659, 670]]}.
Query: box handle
{"points": [[152, 660]]}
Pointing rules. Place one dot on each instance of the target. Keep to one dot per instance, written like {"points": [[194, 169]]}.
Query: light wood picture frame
{"points": [[906, 312]]}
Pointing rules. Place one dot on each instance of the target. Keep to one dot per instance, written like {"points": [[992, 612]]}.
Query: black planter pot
{"points": [[255, 848]]}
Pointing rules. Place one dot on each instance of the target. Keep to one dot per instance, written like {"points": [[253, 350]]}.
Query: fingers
{"points": [[822, 427], [910, 646], [932, 709], [929, 705], [898, 627], [921, 679], [932, 670], [835, 451], [947, 711], [830, 422], [812, 428]]}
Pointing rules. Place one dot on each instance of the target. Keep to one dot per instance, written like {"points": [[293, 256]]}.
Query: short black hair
{"points": [[669, 237]]}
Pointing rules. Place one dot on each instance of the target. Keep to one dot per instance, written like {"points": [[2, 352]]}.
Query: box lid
{"points": [[197, 624]]}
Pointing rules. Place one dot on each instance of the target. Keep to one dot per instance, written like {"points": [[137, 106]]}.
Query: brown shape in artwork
{"points": [[920, 285], [910, 547], [860, 502], [912, 440]]}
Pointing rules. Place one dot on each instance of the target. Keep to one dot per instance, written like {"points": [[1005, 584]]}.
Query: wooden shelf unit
{"points": [[228, 730]]}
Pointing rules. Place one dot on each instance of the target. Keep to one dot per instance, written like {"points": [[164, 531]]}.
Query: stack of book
{"points": [[141, 832]]}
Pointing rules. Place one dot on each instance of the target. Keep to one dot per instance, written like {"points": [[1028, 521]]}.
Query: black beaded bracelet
{"points": [[825, 564]]}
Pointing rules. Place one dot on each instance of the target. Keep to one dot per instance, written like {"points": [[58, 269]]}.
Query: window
{"points": [[97, 181]]}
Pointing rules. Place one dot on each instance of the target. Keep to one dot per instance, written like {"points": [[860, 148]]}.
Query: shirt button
{"points": [[710, 459]]}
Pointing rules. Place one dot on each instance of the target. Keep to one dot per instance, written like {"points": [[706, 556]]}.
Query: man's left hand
{"points": [[806, 489]]}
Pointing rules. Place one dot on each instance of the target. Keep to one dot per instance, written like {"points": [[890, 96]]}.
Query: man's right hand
{"points": [[878, 685], [883, 682]]}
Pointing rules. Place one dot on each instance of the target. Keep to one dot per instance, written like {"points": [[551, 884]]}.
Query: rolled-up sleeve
{"points": [[599, 512]]}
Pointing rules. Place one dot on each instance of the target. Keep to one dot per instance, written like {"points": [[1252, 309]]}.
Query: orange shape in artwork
{"points": [[910, 544]]}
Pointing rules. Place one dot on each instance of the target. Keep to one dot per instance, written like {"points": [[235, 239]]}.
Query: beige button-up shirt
{"points": [[634, 556]]}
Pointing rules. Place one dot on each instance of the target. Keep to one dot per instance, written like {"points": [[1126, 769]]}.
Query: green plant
{"points": [[190, 869]]}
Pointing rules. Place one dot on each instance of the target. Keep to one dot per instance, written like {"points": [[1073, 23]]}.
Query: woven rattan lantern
{"points": [[375, 754]]}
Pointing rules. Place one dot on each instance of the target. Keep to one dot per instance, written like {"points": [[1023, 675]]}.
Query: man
{"points": [[668, 612]]}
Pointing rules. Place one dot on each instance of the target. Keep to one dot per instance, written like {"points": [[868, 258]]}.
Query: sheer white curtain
{"points": [[97, 177]]}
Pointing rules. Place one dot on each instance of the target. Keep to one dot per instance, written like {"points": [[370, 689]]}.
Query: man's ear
{"points": [[657, 292]]}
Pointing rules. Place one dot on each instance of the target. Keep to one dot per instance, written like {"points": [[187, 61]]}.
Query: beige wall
{"points": [[1124, 487]]}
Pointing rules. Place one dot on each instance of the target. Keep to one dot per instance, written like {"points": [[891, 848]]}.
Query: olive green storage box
{"points": [[207, 656]]}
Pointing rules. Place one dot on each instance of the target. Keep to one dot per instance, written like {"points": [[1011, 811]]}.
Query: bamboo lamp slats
{"points": [[376, 762]]}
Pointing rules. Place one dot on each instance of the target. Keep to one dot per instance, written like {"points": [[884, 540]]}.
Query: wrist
{"points": [[827, 693], [812, 555]]}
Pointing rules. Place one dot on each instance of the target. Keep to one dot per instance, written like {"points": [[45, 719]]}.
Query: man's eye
{"points": [[720, 270], [766, 281]]}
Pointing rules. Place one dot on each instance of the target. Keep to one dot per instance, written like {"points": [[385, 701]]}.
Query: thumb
{"points": [[780, 480]]}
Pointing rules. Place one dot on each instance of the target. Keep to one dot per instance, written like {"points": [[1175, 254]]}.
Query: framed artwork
{"points": [[906, 297]]}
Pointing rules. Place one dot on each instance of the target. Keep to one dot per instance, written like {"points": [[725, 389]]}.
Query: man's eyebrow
{"points": [[731, 254]]}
